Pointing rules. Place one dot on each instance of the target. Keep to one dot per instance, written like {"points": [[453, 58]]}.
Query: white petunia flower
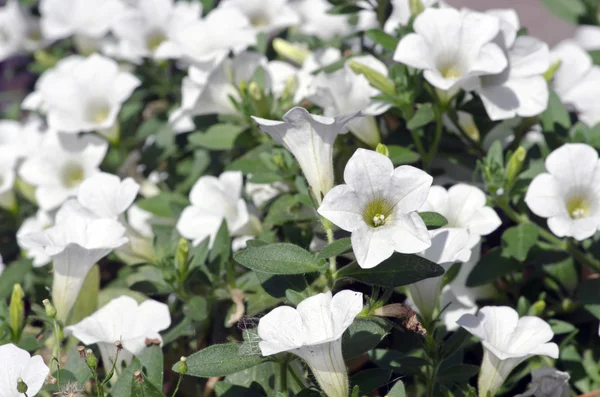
{"points": [[82, 94], [214, 200], [261, 193], [75, 243], [150, 27], [19, 30], [22, 139], [268, 16], [507, 341], [140, 248], [106, 196], [344, 91], [577, 81], [313, 331], [122, 319], [588, 37], [378, 205], [310, 139], [520, 89], [464, 207], [448, 246], [452, 47], [548, 382], [15, 364], [401, 13], [34, 224], [567, 193], [61, 164], [316, 60]]}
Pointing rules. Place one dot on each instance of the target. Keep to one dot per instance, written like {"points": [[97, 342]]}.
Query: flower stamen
{"points": [[578, 207]]}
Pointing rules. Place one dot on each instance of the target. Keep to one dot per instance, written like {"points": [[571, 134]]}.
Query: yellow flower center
{"points": [[259, 21], [34, 35], [377, 212], [98, 113], [154, 40], [578, 207], [450, 72], [72, 175]]}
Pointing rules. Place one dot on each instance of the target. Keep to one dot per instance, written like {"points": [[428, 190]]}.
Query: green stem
{"points": [[112, 369], [57, 350], [283, 370], [177, 386], [418, 144], [583, 258], [439, 129], [296, 378], [381, 8]]}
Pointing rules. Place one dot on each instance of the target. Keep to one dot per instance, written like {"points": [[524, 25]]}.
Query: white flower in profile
{"points": [[61, 164], [228, 28], [577, 81], [378, 205], [401, 13], [106, 196], [588, 37], [34, 224], [452, 47], [566, 194], [313, 331], [212, 201], [19, 30], [150, 27], [268, 16], [344, 91], [548, 382], [15, 364], [507, 342], [464, 207], [140, 247], [520, 89], [75, 243], [448, 246], [82, 94], [310, 139], [122, 319]]}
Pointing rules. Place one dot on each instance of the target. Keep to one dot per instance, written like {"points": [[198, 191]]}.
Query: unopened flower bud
{"points": [[21, 386], [514, 166], [91, 359], [290, 51], [17, 311], [260, 102], [181, 258], [375, 78], [50, 309], [381, 148], [537, 308], [549, 74], [182, 367], [397, 310], [416, 7]]}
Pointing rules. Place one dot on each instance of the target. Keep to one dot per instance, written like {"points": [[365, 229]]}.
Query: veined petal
{"points": [[372, 245], [369, 174], [341, 206], [282, 329], [545, 196], [407, 233]]}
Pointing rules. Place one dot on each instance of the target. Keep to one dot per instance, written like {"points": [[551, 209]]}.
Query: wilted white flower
{"points": [[61, 164], [577, 81], [566, 194], [507, 341], [548, 382], [122, 319], [344, 91], [313, 331], [34, 224], [378, 205], [82, 94], [214, 200], [15, 364], [19, 30], [452, 47], [310, 139], [268, 16]]}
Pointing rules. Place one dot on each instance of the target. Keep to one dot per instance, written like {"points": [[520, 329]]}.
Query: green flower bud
{"points": [[382, 149], [537, 308], [91, 359], [21, 386], [260, 102], [17, 311], [287, 50], [416, 7], [549, 75], [514, 166], [50, 310], [181, 258], [182, 367], [376, 79]]}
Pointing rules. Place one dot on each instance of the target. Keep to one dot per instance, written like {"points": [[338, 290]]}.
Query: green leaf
{"points": [[457, 373], [397, 390], [76, 366], [370, 379], [569, 10], [221, 247], [287, 208], [422, 117], [196, 309], [145, 389], [226, 389], [387, 41], [398, 270], [220, 360], [433, 220], [13, 274], [122, 387], [278, 285], [401, 155], [363, 335], [336, 248], [217, 137], [282, 258], [518, 240], [344, 9], [561, 327], [152, 363], [555, 113], [491, 266], [163, 204]]}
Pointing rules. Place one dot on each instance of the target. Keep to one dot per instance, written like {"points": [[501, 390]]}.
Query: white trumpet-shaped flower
{"points": [[75, 243], [19, 30], [122, 319], [567, 194], [452, 47], [212, 201], [378, 205], [35, 224], [106, 196], [15, 364], [448, 246], [82, 94], [548, 382], [313, 331], [310, 139], [344, 92], [507, 341], [268, 16], [60, 165]]}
